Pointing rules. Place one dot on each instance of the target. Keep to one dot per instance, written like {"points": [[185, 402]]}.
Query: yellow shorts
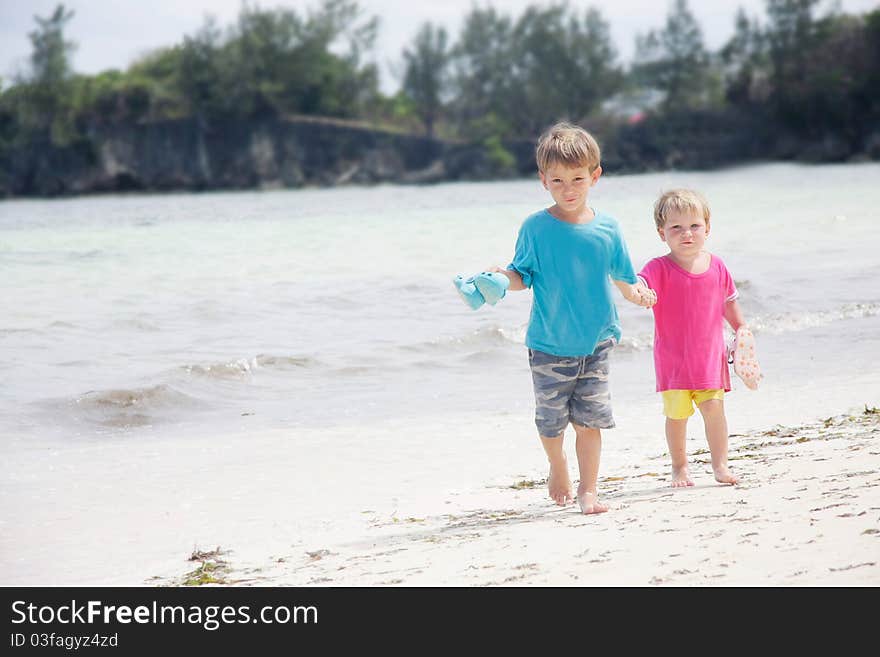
{"points": [[679, 404]]}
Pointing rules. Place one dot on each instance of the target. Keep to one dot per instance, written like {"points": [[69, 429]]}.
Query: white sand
{"points": [[122, 513], [806, 513]]}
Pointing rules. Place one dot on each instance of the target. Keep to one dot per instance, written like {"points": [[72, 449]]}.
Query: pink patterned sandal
{"points": [[743, 357]]}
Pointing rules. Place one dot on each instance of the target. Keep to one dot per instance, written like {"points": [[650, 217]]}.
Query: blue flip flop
{"points": [[492, 285], [468, 291]]}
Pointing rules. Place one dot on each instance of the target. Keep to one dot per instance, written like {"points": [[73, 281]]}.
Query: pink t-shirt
{"points": [[689, 351]]}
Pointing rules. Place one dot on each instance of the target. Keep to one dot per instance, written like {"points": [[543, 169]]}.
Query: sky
{"points": [[114, 33]]}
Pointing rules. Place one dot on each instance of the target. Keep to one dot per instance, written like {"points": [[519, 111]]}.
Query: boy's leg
{"points": [[676, 440], [554, 379], [558, 481], [589, 449], [712, 411], [678, 407], [590, 413]]}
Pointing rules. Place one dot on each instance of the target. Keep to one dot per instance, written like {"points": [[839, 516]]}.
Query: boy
{"points": [[696, 294], [566, 254]]}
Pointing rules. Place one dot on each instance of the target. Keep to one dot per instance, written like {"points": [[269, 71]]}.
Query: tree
{"points": [[745, 62], [199, 72], [425, 75], [831, 103], [791, 39], [513, 79], [789, 31], [332, 43], [563, 67], [481, 78], [674, 60], [280, 61], [50, 70], [50, 60], [870, 92]]}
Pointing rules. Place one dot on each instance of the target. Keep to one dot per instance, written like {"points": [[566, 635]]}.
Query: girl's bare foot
{"points": [[559, 484], [725, 476], [589, 502], [681, 478]]}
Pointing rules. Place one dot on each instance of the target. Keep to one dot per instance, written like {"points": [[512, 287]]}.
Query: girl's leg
{"points": [[715, 421], [589, 449], [558, 481], [676, 439]]}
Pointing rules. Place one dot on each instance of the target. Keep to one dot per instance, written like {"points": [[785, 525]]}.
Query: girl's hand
{"points": [[644, 296]]}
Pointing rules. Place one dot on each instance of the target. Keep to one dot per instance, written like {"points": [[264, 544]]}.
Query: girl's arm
{"points": [[733, 314], [516, 282]]}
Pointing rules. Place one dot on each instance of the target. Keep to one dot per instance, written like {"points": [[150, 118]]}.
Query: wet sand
{"points": [[806, 513]]}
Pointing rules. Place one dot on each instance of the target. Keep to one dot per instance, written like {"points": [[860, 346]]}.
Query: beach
{"points": [[284, 388], [806, 513]]}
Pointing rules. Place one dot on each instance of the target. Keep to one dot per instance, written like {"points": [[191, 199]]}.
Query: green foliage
{"points": [[564, 67], [44, 105], [818, 78], [743, 58], [270, 62], [806, 79], [791, 39], [549, 64], [280, 62], [50, 57], [481, 83], [110, 97], [424, 80], [501, 159], [674, 60], [199, 75]]}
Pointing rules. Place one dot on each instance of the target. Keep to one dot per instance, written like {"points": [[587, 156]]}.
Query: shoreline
{"points": [[806, 513]]}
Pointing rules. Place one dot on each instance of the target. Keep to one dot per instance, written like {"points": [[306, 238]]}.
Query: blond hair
{"points": [[568, 145], [685, 201]]}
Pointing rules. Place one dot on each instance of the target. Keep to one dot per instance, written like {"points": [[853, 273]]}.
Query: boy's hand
{"points": [[516, 282], [638, 293]]}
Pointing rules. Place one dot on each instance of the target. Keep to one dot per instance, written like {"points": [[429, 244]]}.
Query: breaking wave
{"points": [[790, 322], [134, 407], [245, 367]]}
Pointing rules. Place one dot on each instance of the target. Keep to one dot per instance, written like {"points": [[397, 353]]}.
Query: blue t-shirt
{"points": [[568, 268]]}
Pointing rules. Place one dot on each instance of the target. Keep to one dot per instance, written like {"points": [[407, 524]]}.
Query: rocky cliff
{"points": [[190, 154]]}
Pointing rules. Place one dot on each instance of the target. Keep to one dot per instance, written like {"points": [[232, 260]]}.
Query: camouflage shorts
{"points": [[571, 389]]}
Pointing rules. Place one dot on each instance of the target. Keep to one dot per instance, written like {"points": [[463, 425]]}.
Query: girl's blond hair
{"points": [[685, 201]]}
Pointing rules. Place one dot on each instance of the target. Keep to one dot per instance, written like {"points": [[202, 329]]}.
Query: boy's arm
{"points": [[733, 314], [637, 293], [516, 281]]}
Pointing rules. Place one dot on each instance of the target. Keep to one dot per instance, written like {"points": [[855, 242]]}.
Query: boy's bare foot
{"points": [[681, 478], [589, 502], [559, 484], [725, 476]]}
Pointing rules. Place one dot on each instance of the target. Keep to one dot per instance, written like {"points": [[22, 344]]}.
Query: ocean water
{"points": [[327, 317], [129, 315]]}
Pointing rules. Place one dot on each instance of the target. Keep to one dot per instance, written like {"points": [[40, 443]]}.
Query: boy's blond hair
{"points": [[568, 145], [686, 201]]}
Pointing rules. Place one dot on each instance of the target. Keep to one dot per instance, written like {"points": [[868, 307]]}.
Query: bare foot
{"points": [[589, 502], [559, 484], [681, 478], [725, 476]]}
